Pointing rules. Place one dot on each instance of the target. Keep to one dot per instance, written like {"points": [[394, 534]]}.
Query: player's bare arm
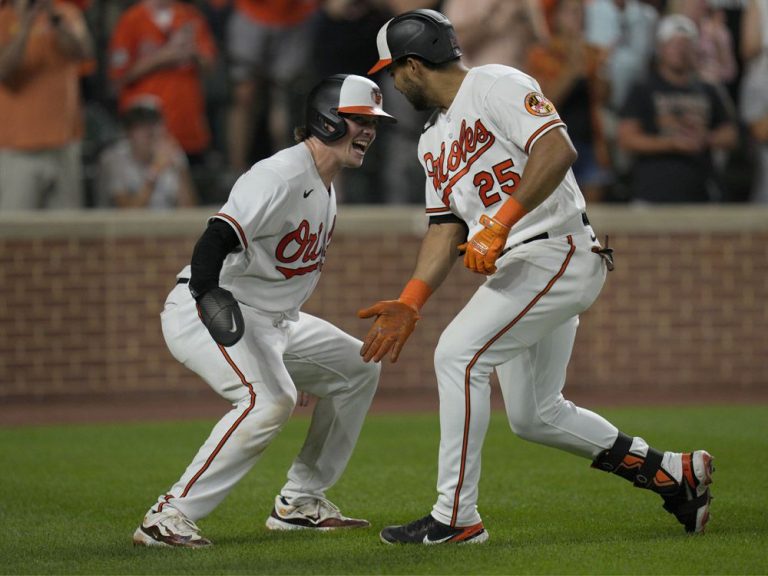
{"points": [[396, 319], [551, 157]]}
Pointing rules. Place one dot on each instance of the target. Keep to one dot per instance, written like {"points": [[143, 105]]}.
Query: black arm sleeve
{"points": [[218, 240]]}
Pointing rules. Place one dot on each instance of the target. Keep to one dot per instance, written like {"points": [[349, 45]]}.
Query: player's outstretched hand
{"points": [[221, 315], [485, 247], [394, 323]]}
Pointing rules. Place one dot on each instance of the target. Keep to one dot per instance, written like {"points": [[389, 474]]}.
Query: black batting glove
{"points": [[221, 315]]}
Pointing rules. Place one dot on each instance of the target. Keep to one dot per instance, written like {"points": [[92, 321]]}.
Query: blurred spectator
{"points": [[624, 30], [146, 168], [268, 46], [41, 46], [754, 92], [160, 47], [716, 53], [672, 122], [401, 177], [568, 70], [496, 31]]}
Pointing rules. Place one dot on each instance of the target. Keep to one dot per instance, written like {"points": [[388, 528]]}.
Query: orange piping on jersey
{"points": [[476, 357], [438, 210], [235, 223], [541, 129], [229, 433]]}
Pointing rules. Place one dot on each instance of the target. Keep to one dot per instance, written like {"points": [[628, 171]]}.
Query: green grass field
{"points": [[70, 498]]}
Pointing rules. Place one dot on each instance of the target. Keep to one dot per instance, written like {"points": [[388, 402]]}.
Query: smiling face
{"points": [[361, 132]]}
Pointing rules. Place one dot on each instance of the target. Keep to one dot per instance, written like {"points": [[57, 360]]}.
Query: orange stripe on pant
{"points": [[468, 372], [226, 436]]}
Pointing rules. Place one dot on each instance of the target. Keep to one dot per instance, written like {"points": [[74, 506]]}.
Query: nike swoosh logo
{"points": [[234, 324], [441, 540], [592, 237], [308, 192]]}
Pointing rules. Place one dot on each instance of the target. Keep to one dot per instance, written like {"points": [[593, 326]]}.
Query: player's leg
{"points": [[533, 291], [252, 376], [325, 362], [532, 384]]}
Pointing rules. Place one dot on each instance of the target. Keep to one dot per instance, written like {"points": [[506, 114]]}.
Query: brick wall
{"points": [[684, 311]]}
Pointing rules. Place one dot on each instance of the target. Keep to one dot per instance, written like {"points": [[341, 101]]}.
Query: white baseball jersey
{"points": [[475, 152], [284, 217]]}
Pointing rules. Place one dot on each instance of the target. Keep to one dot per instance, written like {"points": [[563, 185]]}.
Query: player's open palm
{"points": [[394, 323]]}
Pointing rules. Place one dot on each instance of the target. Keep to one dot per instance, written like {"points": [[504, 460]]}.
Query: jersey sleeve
{"points": [[256, 206], [433, 199], [515, 105]]}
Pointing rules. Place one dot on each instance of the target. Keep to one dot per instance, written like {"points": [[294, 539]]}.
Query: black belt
{"points": [[182, 281], [545, 235]]}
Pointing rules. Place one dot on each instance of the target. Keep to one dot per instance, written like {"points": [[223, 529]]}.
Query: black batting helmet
{"points": [[423, 33], [338, 95]]}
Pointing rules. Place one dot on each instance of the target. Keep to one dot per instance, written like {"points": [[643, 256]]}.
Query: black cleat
{"points": [[429, 531]]}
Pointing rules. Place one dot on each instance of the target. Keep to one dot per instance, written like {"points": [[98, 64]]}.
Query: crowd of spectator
{"points": [[163, 103]]}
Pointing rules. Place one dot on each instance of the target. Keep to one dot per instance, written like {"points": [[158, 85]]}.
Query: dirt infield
{"points": [[207, 405]]}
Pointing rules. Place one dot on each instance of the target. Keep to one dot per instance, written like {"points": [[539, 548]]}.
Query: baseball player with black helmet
{"points": [[499, 188], [234, 317]]}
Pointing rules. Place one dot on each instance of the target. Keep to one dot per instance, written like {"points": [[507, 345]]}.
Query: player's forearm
{"points": [[438, 253]]}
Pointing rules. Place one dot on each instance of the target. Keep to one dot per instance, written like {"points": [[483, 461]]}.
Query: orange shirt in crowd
{"points": [[277, 12], [40, 103], [179, 89]]}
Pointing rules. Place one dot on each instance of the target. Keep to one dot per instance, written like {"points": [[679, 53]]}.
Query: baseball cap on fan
{"points": [[427, 34], [676, 25]]}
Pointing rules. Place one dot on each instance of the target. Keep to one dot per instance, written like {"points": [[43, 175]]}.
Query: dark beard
{"points": [[419, 101]]}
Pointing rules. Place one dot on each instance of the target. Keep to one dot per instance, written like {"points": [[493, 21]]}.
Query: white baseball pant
{"points": [[260, 375], [521, 322]]}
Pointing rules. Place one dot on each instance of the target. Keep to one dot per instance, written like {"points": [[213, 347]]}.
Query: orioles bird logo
{"points": [[376, 96], [538, 105]]}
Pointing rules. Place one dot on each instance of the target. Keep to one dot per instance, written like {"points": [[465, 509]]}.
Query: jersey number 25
{"points": [[506, 178]]}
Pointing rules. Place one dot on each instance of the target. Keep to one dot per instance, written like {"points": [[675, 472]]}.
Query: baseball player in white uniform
{"points": [[499, 189], [234, 318]]}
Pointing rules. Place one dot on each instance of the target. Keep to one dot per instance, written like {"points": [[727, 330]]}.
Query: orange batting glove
{"points": [[481, 252], [395, 321], [485, 247]]}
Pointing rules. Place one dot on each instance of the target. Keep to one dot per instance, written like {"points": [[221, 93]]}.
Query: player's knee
{"points": [[534, 425], [450, 353]]}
